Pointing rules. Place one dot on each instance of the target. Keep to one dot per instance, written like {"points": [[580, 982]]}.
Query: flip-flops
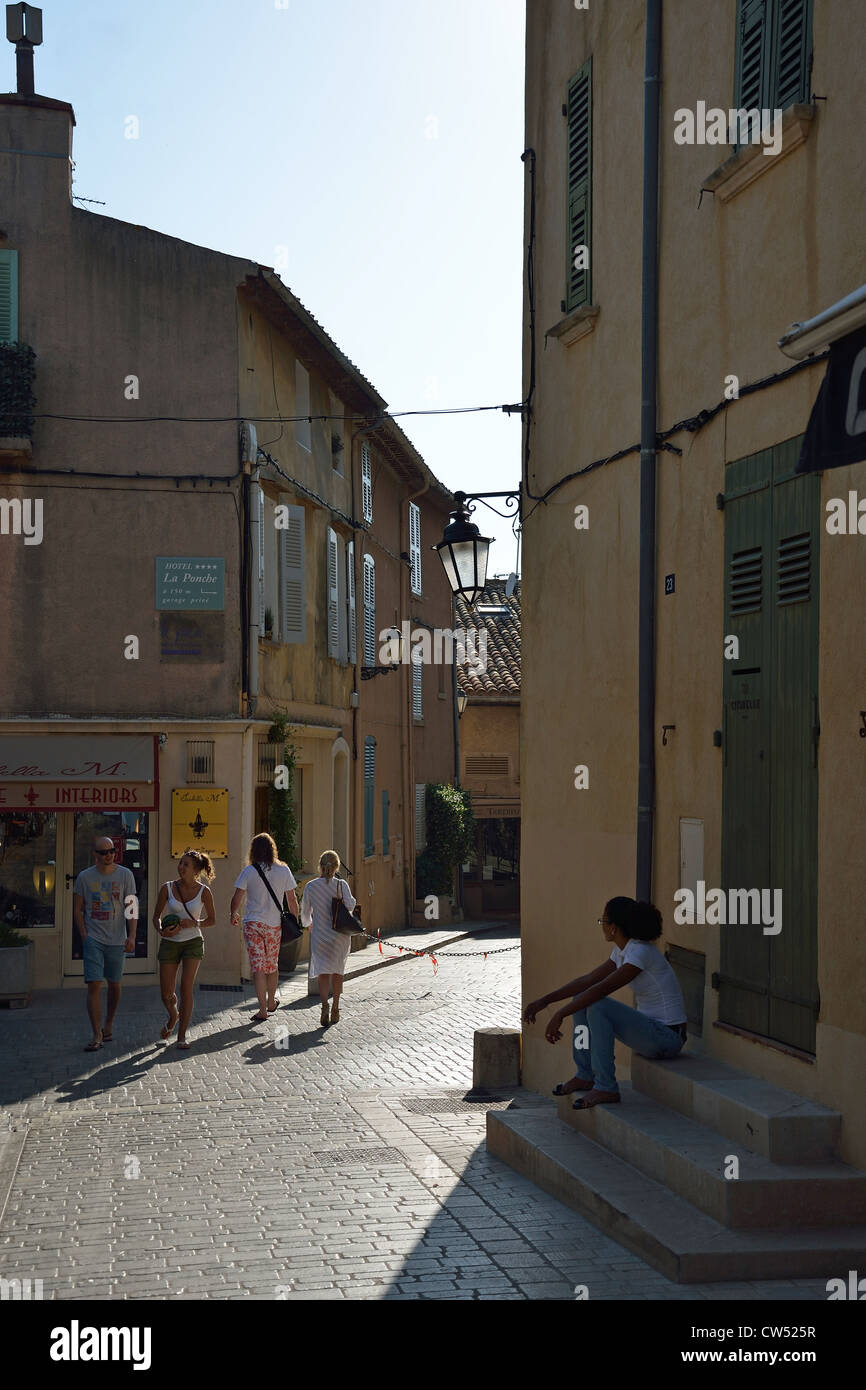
{"points": [[610, 1098], [276, 1006], [259, 1018]]}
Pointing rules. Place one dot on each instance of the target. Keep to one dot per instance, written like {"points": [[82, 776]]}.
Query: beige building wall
{"points": [[733, 275]]}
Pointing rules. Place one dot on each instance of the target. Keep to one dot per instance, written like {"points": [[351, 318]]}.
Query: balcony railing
{"points": [[17, 374]]}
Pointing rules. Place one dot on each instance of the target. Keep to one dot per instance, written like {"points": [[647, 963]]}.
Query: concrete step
{"points": [[692, 1161], [779, 1124], [669, 1233]]}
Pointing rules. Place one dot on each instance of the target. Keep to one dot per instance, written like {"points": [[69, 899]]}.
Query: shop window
{"points": [[28, 868]]}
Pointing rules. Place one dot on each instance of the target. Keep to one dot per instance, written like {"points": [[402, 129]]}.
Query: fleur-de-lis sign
{"points": [[198, 826]]}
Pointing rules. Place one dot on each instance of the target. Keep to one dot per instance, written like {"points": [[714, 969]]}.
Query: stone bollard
{"points": [[496, 1058]]}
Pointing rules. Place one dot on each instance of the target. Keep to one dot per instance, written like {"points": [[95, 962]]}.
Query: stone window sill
{"points": [[749, 162], [14, 447], [575, 325]]}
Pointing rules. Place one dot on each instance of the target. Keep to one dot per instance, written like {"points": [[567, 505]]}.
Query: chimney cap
{"points": [[24, 24]]}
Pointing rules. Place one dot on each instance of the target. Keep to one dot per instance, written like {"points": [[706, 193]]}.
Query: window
{"points": [[303, 435], [293, 593], [386, 814], [369, 793], [420, 816], [337, 607], [8, 296], [366, 483], [578, 231], [258, 521], [200, 760], [417, 686], [350, 602], [415, 545], [369, 611], [774, 54]]}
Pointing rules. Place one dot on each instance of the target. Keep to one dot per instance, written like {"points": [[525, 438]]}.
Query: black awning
{"points": [[836, 432]]}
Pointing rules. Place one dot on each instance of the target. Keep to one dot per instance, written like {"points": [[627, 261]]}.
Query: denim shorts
{"points": [[102, 962]]}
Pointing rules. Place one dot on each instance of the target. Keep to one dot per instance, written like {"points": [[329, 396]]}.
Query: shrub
{"points": [[450, 837]]}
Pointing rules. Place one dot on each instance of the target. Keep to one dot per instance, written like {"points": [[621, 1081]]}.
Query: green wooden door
{"points": [[768, 982]]}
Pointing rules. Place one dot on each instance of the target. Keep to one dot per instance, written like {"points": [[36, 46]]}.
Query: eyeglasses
{"points": [[105, 851]]}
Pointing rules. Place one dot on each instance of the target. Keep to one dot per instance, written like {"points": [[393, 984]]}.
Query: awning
{"points": [[836, 432], [78, 772]]}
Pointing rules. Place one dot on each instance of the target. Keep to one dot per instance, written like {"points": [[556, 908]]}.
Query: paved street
{"points": [[281, 1161]]}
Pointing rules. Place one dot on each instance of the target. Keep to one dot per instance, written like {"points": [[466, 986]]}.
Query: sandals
{"points": [[603, 1098], [259, 1018], [93, 1046], [560, 1089], [107, 1037], [335, 1014], [325, 1018], [184, 1046], [274, 1006]]}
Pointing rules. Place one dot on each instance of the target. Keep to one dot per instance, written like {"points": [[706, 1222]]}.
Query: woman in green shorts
{"points": [[183, 907]]}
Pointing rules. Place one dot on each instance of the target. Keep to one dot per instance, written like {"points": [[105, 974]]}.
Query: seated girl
{"points": [[655, 1028]]}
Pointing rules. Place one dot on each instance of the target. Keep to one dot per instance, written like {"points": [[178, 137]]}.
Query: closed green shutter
{"points": [[369, 795], [774, 54], [8, 296], [792, 52], [752, 84], [578, 231]]}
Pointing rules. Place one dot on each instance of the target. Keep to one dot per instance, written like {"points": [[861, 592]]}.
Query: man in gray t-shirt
{"points": [[105, 908]]}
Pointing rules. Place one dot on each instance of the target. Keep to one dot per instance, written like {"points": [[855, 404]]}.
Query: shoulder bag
{"points": [[342, 920], [290, 928]]}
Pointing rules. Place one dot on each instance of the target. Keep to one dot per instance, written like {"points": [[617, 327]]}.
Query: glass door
{"points": [[130, 832]]}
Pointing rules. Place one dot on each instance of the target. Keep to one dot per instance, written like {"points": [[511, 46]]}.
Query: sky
{"points": [[369, 150]]}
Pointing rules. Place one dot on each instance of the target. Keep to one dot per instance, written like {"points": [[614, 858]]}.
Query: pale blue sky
{"points": [[377, 141]]}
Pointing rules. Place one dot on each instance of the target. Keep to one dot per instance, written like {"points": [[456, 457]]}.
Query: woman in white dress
{"points": [[329, 949]]}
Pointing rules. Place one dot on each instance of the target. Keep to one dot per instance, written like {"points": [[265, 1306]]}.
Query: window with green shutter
{"points": [[578, 229], [369, 795], [8, 296], [774, 54]]}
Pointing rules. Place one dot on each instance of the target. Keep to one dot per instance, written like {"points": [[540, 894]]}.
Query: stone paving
{"points": [[286, 1162]]}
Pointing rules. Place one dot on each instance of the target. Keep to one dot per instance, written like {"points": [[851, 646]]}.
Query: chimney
{"points": [[24, 29], [35, 139]]}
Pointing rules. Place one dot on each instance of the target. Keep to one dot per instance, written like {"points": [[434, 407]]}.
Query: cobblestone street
{"points": [[286, 1162]]}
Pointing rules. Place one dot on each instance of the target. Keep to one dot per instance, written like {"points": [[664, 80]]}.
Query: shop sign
{"points": [[200, 820], [76, 772]]}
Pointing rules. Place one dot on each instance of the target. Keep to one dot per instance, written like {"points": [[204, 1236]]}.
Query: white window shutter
{"points": [[369, 611], [293, 589], [415, 545], [366, 482], [420, 816], [333, 607], [417, 686], [350, 590], [342, 625], [259, 515]]}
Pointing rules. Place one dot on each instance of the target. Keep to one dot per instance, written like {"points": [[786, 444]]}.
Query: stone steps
{"points": [[673, 1235], [697, 1164], [779, 1124]]}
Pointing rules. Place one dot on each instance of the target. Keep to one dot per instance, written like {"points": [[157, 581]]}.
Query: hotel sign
{"points": [[71, 772], [191, 582]]}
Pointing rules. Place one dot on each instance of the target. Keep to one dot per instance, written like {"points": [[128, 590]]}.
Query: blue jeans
{"points": [[607, 1019]]}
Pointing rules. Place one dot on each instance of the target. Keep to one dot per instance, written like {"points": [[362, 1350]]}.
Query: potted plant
{"points": [[16, 967], [269, 625]]}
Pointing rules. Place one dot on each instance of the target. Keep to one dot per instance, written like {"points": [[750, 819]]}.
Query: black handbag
{"points": [[290, 927], [342, 920]]}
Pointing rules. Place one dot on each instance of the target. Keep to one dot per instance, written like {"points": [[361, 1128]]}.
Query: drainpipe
{"points": [[649, 382], [255, 550]]}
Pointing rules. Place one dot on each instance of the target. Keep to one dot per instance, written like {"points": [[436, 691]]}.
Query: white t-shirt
{"points": [[259, 905], [656, 989]]}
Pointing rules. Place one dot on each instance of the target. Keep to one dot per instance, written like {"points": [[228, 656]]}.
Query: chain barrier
{"points": [[434, 955]]}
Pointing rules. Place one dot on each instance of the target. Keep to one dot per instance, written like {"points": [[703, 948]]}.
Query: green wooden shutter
{"points": [[752, 82], [792, 53], [578, 230], [8, 296], [369, 794]]}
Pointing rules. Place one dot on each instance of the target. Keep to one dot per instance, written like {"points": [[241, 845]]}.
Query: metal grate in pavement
{"points": [[338, 1158], [455, 1104]]}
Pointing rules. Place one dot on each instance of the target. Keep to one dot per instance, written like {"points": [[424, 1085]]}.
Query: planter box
{"points": [[16, 975]]}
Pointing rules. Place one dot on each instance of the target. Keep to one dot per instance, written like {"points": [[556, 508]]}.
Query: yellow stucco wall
{"points": [[733, 276]]}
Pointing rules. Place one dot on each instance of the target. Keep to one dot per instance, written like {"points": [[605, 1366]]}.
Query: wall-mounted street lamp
{"points": [[463, 550], [462, 702]]}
